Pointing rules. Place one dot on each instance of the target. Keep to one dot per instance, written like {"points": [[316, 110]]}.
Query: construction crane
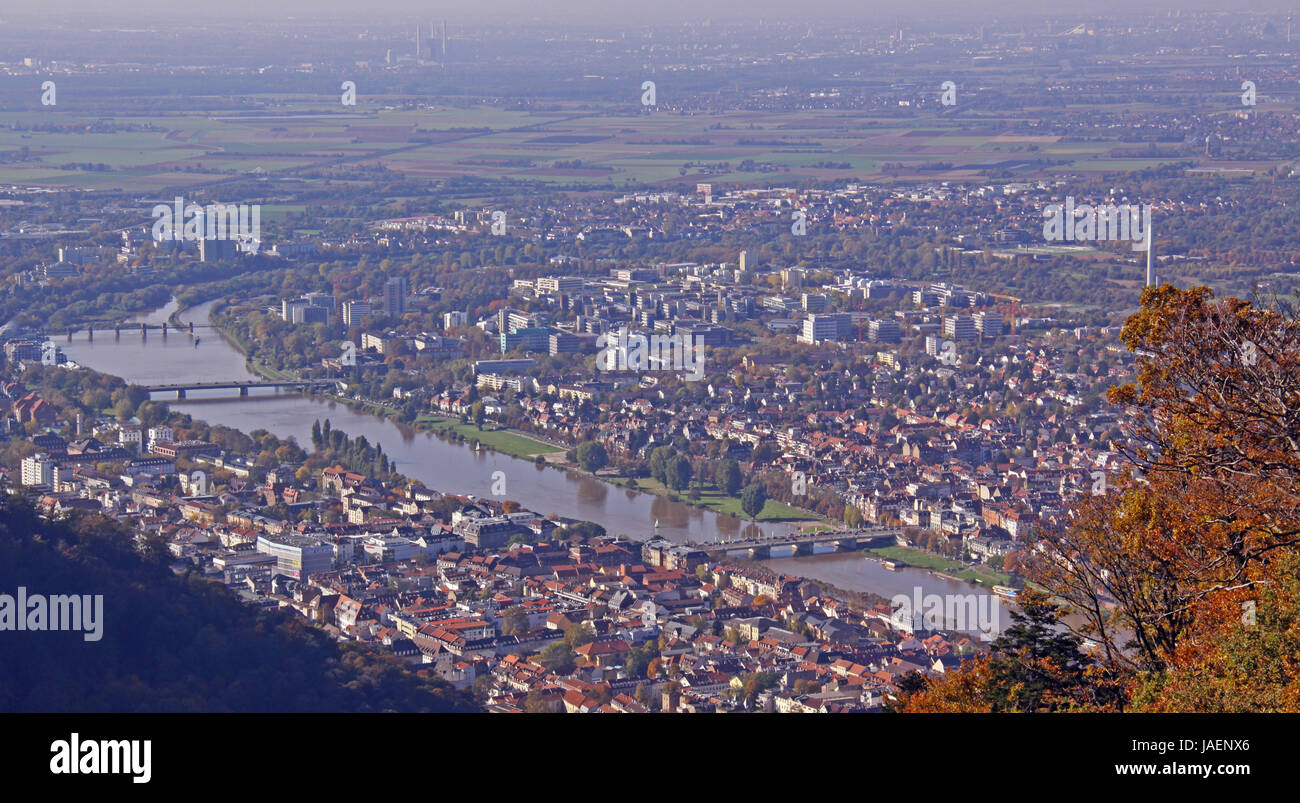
{"points": [[1015, 303]]}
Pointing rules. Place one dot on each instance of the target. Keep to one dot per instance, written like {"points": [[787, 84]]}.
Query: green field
{"points": [[501, 440], [613, 146], [926, 560], [713, 499]]}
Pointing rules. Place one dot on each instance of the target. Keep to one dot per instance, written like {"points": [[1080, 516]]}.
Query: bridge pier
{"points": [[90, 333], [180, 393], [243, 390], [760, 552], [144, 332], [117, 332], [191, 327], [846, 544], [69, 334], [164, 328]]}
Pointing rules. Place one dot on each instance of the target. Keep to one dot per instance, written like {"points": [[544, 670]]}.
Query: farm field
{"points": [[569, 145]]}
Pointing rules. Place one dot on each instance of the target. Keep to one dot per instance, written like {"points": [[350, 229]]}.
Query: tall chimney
{"points": [[1151, 277]]}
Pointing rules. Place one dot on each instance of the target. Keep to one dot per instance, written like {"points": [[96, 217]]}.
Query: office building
{"points": [[554, 285], [38, 470], [885, 330], [988, 324], [527, 339], [396, 291], [355, 312], [826, 326], [297, 556], [959, 327]]}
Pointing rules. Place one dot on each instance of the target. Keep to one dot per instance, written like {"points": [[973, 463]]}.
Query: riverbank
{"points": [[515, 443], [944, 567]]}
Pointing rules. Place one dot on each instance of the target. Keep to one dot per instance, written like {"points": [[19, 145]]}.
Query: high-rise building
{"points": [[396, 290], [814, 302], [213, 250], [822, 326], [38, 470], [885, 330], [959, 327], [988, 324], [527, 339], [355, 312]]}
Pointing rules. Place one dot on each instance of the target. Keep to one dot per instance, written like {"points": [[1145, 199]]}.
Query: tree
{"points": [[514, 620], [592, 456], [727, 477], [1217, 404], [1247, 665], [752, 500], [536, 702], [557, 658], [578, 635], [678, 472], [1035, 665], [639, 658], [658, 463]]}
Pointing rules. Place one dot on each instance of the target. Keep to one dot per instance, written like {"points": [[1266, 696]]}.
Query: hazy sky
{"points": [[613, 10]]}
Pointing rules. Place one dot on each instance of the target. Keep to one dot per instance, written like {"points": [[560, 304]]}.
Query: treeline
{"points": [[334, 447]]}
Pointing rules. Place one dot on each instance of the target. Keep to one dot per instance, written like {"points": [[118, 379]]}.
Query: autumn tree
{"points": [[1160, 570], [753, 499]]}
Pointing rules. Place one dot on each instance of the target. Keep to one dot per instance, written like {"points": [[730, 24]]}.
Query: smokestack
{"points": [[417, 41], [1151, 277], [444, 40]]}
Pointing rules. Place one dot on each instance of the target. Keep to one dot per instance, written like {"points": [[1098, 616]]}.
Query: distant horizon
{"points": [[526, 12]]}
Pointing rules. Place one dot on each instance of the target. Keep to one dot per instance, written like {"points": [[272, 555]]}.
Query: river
{"points": [[450, 466]]}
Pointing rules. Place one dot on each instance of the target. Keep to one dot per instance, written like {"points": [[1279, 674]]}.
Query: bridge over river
{"points": [[180, 388], [842, 540], [130, 327]]}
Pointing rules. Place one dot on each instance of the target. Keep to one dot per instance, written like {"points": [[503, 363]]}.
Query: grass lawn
{"points": [[500, 440], [269, 372], [715, 500], [926, 560]]}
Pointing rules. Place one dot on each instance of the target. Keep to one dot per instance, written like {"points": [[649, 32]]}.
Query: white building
{"points": [[38, 470], [159, 435]]}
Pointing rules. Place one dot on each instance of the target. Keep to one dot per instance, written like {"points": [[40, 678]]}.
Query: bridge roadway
{"points": [[843, 540], [130, 326], [181, 387]]}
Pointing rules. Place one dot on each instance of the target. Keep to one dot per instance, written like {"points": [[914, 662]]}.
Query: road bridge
{"points": [[804, 544], [180, 388]]}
